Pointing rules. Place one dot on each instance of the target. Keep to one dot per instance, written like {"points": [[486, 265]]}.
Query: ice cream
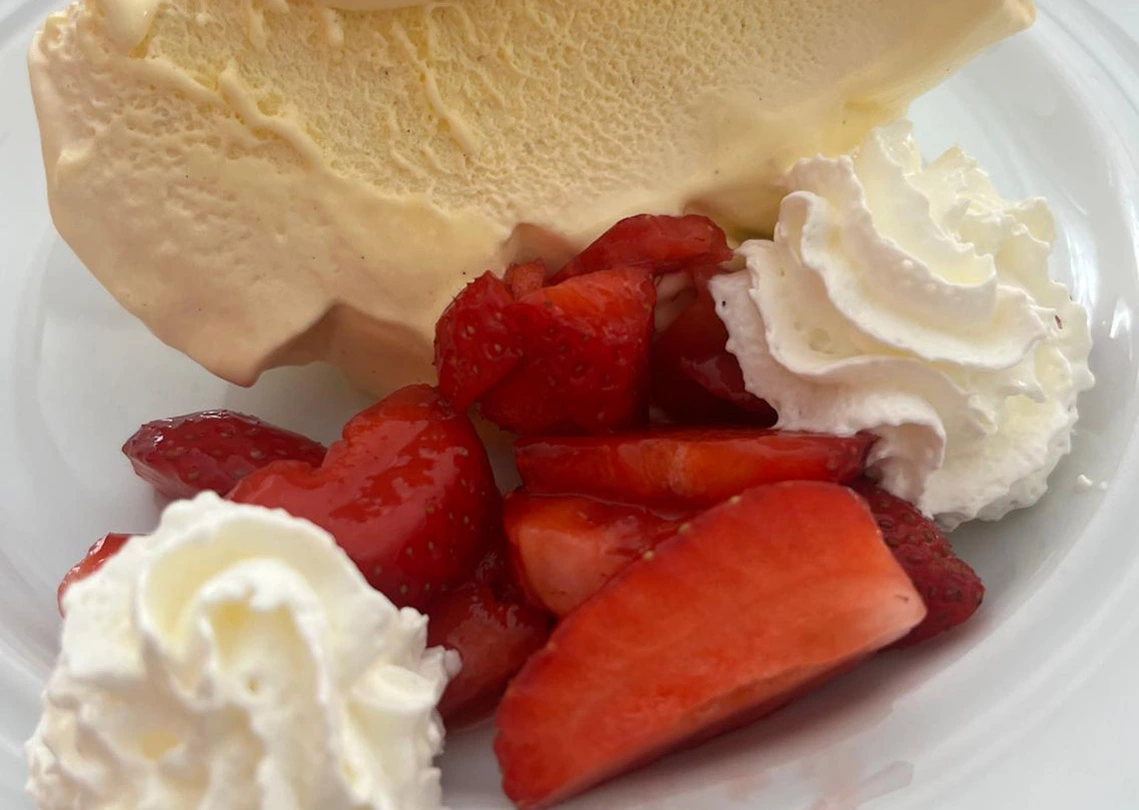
{"points": [[237, 660], [913, 301], [277, 182]]}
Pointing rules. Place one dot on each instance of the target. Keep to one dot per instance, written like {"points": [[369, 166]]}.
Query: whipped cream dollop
{"points": [[914, 302], [236, 660]]}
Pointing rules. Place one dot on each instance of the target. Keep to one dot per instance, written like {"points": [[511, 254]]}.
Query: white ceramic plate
{"points": [[1032, 705]]}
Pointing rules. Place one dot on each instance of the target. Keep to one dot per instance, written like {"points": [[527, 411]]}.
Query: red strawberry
{"points": [[661, 244], [104, 548], [687, 468], [523, 279], [586, 345], [951, 589], [493, 630], [565, 548], [528, 403], [757, 601], [695, 378], [407, 493], [474, 347], [211, 450]]}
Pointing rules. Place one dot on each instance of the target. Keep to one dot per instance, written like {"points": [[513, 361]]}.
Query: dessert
{"points": [[277, 183], [729, 476], [236, 658], [791, 565], [914, 302]]}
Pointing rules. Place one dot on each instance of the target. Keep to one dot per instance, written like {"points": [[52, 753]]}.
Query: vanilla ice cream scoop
{"points": [[235, 659], [276, 182]]}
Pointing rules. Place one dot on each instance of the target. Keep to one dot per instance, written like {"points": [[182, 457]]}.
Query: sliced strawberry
{"points": [[474, 346], [528, 403], [685, 468], [757, 601], [494, 632], [104, 548], [586, 345], [211, 450], [407, 493], [662, 244], [526, 278], [565, 548], [951, 589], [695, 378]]}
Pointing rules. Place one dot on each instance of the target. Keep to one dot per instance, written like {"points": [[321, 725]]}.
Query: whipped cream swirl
{"points": [[236, 660], [913, 301]]}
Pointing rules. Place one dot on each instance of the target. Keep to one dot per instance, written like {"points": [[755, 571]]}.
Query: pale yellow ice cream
{"points": [[273, 181]]}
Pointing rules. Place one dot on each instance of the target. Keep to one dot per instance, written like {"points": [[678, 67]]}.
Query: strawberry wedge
{"points": [[686, 468], [751, 605], [661, 244], [566, 547]]}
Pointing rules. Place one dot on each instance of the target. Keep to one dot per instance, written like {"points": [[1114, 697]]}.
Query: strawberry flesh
{"points": [[685, 468], [103, 549], [565, 548], [695, 378], [408, 493], [494, 631], [474, 345], [754, 602], [526, 278], [951, 589], [211, 450], [661, 244], [586, 345]]}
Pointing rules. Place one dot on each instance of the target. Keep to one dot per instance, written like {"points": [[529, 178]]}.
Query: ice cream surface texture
{"points": [[913, 301], [236, 660], [277, 182]]}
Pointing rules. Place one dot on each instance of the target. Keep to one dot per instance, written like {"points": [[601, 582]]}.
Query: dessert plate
{"points": [[1010, 711]]}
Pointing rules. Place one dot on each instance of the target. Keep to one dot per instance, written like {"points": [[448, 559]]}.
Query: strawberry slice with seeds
{"points": [[565, 548], [695, 378], [103, 549], [685, 468], [494, 630], [586, 346], [951, 589], [211, 450], [754, 603], [474, 346], [407, 492], [661, 244]]}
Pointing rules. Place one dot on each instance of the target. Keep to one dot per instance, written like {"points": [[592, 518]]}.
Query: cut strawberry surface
{"points": [[407, 493], [103, 549], [586, 346], [754, 602], [685, 468], [526, 278], [565, 548], [951, 589], [661, 244], [493, 630], [211, 450], [474, 345], [695, 378], [529, 403]]}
